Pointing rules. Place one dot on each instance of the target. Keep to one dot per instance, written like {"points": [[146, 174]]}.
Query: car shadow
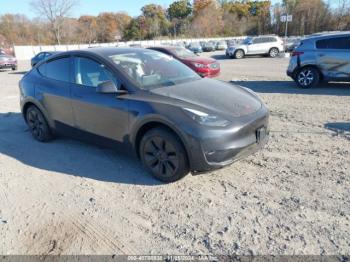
{"points": [[289, 87], [224, 57], [18, 72], [69, 157], [220, 57], [339, 127]]}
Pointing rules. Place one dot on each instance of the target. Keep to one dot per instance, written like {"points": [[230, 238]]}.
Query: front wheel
{"points": [[163, 155], [37, 124], [307, 77], [239, 54], [273, 52]]}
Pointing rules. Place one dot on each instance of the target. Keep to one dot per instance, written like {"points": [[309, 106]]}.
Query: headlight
{"points": [[199, 65], [3, 58], [206, 119]]}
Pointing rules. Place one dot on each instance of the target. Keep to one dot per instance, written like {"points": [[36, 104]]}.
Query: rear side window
{"points": [[334, 43], [57, 69]]}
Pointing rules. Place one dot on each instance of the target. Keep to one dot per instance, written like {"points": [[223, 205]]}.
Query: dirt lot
{"points": [[68, 197]]}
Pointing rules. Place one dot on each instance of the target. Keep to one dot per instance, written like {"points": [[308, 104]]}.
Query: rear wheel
{"points": [[239, 54], [38, 126], [274, 52], [14, 68], [163, 155], [307, 77]]}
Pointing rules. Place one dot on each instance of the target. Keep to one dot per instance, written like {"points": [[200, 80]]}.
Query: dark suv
{"points": [[173, 119], [321, 57]]}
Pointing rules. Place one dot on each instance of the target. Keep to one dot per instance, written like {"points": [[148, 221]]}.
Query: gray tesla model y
{"points": [[175, 121]]}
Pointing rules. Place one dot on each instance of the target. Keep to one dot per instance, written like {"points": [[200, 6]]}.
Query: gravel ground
{"points": [[67, 197]]}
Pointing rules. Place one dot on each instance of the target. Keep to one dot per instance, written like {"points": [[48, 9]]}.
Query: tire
{"points": [[14, 68], [239, 54], [274, 52], [163, 155], [37, 124], [307, 77]]}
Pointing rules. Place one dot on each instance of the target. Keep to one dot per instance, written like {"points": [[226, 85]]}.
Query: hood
{"points": [[197, 59], [7, 57], [237, 46], [211, 95]]}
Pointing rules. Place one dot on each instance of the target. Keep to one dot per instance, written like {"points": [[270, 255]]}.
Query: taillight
{"points": [[297, 53]]}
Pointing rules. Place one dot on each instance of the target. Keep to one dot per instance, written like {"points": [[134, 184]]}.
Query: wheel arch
{"points": [[309, 65], [240, 49], [157, 123], [29, 103]]}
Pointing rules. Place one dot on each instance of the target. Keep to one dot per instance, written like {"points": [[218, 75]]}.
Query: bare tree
{"points": [[55, 11]]}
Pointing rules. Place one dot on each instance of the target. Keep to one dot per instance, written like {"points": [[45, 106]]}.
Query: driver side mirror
{"points": [[108, 87]]}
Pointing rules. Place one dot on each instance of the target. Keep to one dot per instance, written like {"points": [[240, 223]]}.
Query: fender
{"points": [[31, 100], [153, 118]]}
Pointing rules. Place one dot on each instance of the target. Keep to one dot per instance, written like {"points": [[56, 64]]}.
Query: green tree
{"points": [[132, 31], [156, 22], [180, 9], [178, 13]]}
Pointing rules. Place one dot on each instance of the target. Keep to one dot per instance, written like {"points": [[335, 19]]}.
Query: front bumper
{"points": [[221, 147], [4, 65], [230, 52]]}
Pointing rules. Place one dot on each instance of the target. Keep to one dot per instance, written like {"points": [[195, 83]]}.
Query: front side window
{"points": [[150, 69], [257, 41], [90, 73], [57, 69]]}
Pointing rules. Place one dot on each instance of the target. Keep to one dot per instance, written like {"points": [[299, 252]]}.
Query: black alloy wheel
{"points": [[38, 125], [163, 155]]}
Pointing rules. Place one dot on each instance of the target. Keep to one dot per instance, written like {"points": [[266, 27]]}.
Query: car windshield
{"points": [[183, 52], [246, 41], [195, 45], [151, 69]]}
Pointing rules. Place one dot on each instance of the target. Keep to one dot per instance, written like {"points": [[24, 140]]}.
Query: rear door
{"points": [[105, 115], [53, 90], [333, 57]]}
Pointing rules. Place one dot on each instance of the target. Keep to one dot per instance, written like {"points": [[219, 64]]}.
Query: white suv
{"points": [[260, 45]]}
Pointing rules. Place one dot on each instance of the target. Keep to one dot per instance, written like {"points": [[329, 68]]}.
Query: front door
{"points": [[105, 115], [255, 46]]}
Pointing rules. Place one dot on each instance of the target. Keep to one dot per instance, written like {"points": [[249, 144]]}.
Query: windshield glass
{"points": [[246, 41], [150, 69], [183, 52], [195, 45]]}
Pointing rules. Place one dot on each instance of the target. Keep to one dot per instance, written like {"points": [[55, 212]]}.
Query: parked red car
{"points": [[205, 67]]}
